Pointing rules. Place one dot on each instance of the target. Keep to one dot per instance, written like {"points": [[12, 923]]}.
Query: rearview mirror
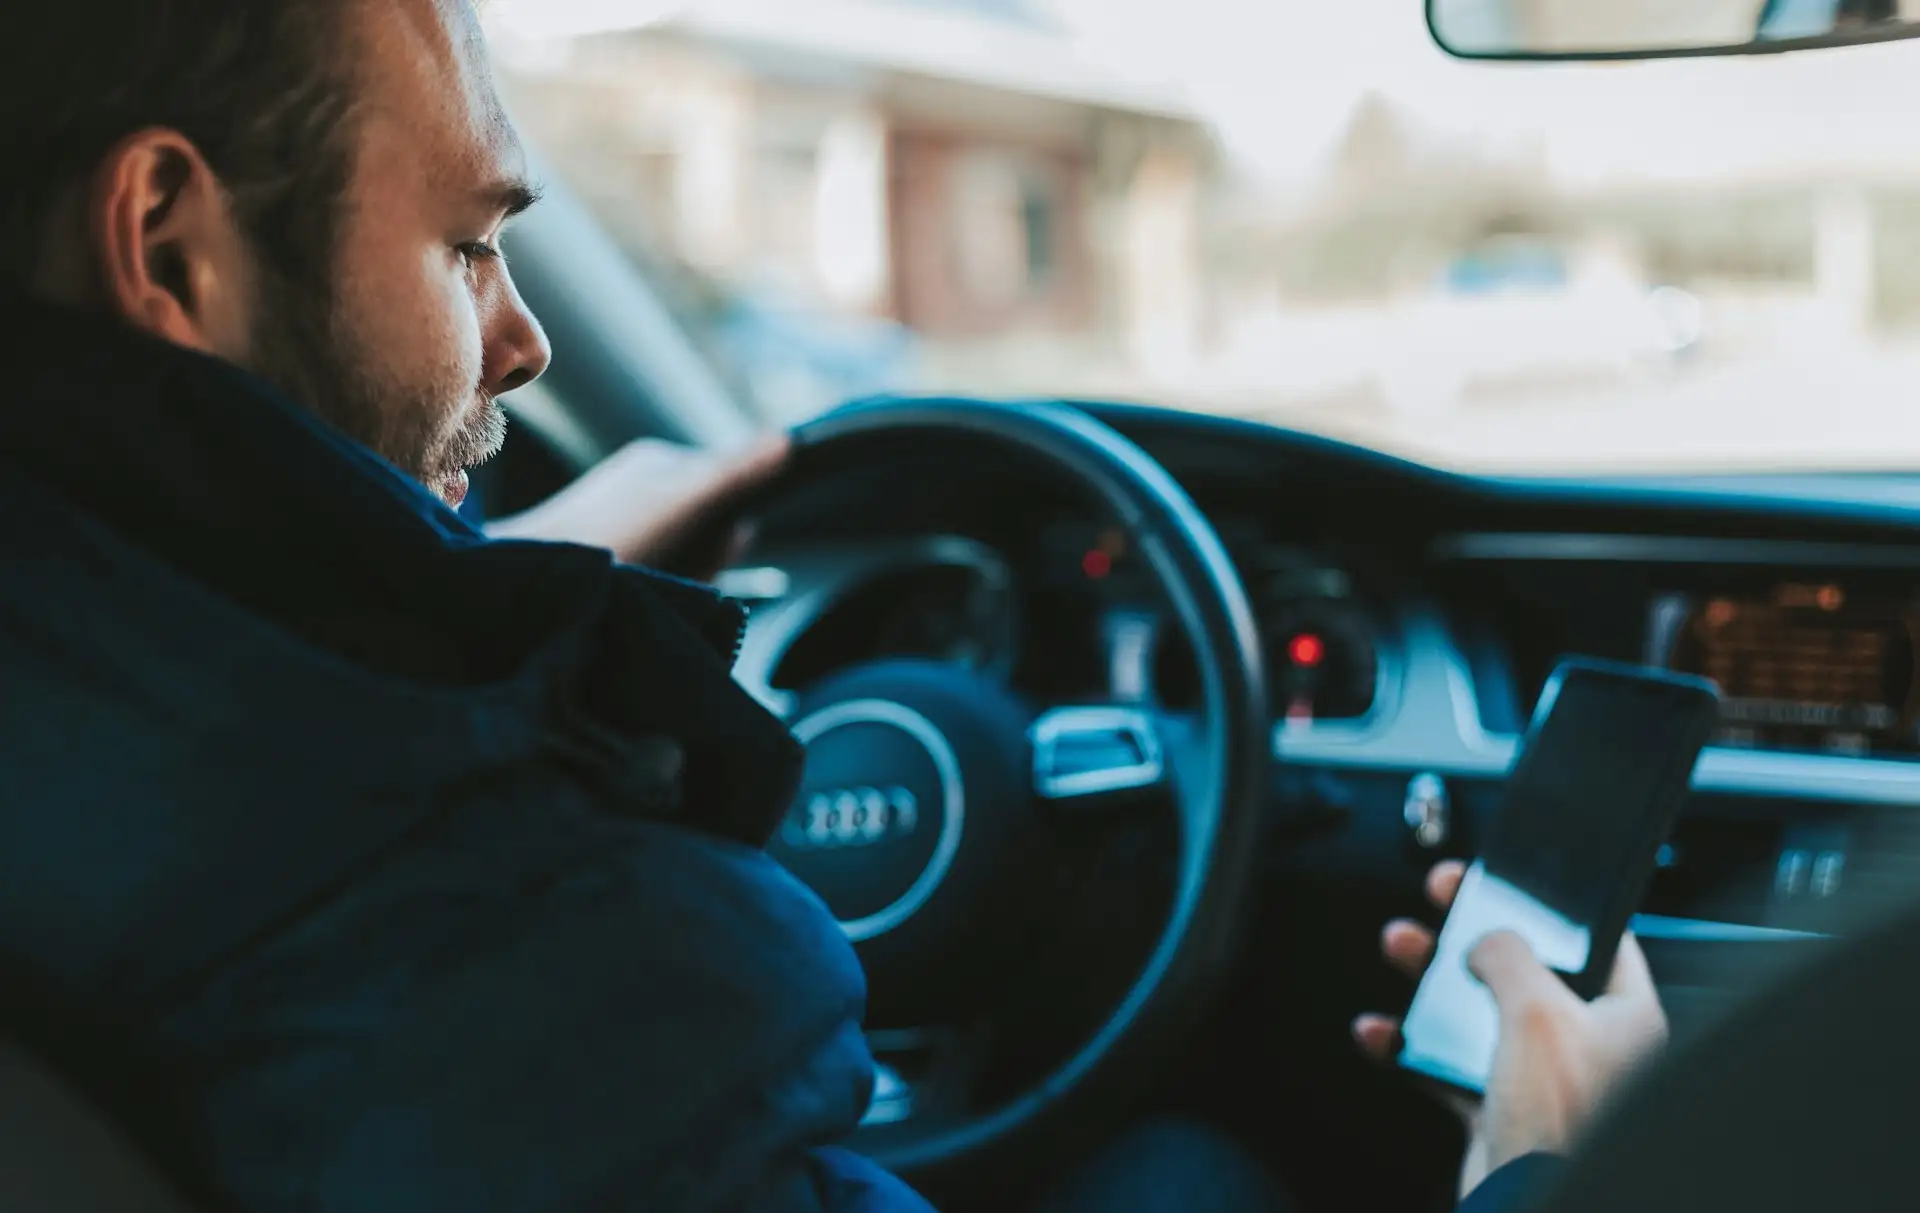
{"points": [[1661, 29]]}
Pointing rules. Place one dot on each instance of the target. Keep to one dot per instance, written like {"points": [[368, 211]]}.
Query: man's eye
{"points": [[476, 251]]}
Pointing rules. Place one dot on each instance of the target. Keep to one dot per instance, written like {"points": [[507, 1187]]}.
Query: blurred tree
{"points": [[1377, 147]]}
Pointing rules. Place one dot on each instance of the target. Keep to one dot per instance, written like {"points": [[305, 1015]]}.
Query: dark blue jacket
{"points": [[361, 864]]}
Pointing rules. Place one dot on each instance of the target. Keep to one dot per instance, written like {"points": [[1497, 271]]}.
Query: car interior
{"points": [[1209, 695]]}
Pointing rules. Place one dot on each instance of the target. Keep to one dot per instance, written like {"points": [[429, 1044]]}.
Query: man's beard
{"points": [[302, 345]]}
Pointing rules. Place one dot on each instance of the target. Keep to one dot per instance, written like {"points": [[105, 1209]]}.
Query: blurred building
{"points": [[957, 167]]}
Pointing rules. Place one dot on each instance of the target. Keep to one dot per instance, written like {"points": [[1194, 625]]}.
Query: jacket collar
{"points": [[240, 488], [206, 467]]}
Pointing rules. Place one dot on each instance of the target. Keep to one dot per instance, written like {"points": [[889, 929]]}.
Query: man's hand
{"points": [[652, 502], [1558, 1057]]}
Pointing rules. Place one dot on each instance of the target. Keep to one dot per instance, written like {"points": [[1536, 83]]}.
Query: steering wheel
{"points": [[920, 778]]}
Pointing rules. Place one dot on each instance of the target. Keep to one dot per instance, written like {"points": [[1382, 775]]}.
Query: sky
{"points": [[1280, 78]]}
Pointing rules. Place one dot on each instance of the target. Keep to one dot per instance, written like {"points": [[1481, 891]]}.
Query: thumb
{"points": [[1507, 966], [1631, 978]]}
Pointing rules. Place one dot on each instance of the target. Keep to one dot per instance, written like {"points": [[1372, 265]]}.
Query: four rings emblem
{"points": [[851, 817]]}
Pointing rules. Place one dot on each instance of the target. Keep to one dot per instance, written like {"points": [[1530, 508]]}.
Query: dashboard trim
{"points": [[1663, 929], [1437, 729], [1426, 715], [1477, 547]]}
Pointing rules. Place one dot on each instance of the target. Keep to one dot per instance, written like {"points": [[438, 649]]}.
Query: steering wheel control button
{"points": [[1131, 641], [879, 815], [1088, 752], [1429, 811], [1827, 868], [1790, 877], [755, 585]]}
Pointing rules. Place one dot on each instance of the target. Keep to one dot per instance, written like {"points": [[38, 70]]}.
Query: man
{"points": [[354, 862], [1558, 1059]]}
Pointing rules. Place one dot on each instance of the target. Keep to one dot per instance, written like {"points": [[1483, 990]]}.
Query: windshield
{"points": [[1291, 210]]}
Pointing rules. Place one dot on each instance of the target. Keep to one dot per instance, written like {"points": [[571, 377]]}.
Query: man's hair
{"points": [[264, 88]]}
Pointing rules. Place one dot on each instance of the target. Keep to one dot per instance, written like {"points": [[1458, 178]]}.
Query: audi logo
{"points": [[852, 817]]}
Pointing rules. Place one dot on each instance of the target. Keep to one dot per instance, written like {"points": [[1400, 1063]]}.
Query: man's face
{"points": [[421, 328]]}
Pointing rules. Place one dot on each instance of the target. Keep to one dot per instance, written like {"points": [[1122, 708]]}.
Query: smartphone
{"points": [[1602, 772]]}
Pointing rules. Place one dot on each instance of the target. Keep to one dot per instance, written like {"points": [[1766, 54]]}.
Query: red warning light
{"points": [[1307, 650], [1096, 564]]}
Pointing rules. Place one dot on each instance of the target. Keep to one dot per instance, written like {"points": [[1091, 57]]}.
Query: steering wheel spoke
{"points": [[1096, 754]]}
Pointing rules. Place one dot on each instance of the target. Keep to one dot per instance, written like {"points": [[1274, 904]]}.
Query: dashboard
{"points": [[1409, 618], [1068, 613]]}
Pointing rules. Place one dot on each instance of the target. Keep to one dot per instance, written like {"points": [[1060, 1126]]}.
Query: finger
{"points": [[752, 465], [695, 490], [710, 484], [1378, 1036], [1508, 968], [1408, 946], [711, 549], [1631, 977], [1443, 882], [729, 553], [740, 544]]}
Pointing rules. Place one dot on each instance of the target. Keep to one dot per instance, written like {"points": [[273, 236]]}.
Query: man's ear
{"points": [[170, 257]]}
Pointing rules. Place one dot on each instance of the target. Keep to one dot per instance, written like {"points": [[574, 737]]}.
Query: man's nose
{"points": [[517, 348]]}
